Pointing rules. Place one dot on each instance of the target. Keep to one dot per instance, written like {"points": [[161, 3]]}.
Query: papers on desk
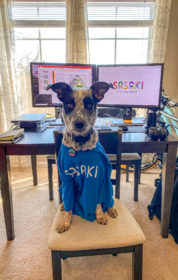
{"points": [[11, 136]]}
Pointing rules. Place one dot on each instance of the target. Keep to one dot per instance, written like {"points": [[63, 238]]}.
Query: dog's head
{"points": [[79, 105]]}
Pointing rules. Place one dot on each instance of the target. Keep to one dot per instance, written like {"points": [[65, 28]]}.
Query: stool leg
{"points": [[139, 176], [34, 170], [136, 178], [118, 181], [127, 173], [114, 254], [50, 179], [56, 265], [137, 258]]}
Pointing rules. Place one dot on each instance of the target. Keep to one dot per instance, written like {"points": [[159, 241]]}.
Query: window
{"points": [[40, 44], [39, 30], [119, 31]]}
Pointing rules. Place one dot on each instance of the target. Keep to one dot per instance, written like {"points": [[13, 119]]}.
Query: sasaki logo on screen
{"points": [[132, 85]]}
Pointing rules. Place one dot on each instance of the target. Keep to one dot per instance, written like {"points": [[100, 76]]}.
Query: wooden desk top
{"points": [[43, 143]]}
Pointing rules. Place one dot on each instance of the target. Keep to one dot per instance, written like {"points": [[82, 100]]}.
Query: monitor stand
{"points": [[58, 112], [127, 116], [151, 118]]}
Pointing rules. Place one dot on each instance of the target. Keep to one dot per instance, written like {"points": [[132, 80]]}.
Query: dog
{"points": [[83, 165]]}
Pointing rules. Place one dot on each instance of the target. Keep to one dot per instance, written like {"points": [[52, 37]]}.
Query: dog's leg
{"points": [[100, 216], [112, 212], [62, 206], [65, 223]]}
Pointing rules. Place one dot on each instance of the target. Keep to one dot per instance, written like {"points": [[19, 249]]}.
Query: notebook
{"points": [[29, 118], [11, 135]]}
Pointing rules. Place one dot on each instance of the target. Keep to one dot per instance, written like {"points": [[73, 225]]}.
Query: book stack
{"points": [[11, 136]]}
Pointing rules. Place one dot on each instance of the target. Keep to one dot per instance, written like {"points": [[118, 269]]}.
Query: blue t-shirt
{"points": [[86, 180]]}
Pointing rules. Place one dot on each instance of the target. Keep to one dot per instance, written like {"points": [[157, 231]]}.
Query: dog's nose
{"points": [[79, 125]]}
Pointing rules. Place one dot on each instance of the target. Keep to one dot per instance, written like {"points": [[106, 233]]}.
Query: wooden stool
{"points": [[84, 238]]}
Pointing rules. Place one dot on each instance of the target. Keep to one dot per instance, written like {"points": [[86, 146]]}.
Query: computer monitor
{"points": [[43, 74], [138, 86]]}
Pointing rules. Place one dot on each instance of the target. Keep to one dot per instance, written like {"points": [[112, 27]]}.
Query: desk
{"points": [[36, 143]]}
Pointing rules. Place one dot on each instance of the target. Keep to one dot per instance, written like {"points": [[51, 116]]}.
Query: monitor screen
{"points": [[133, 85], [43, 74]]}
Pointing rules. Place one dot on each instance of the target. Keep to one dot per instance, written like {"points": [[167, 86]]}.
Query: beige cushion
{"points": [[84, 235], [126, 156]]}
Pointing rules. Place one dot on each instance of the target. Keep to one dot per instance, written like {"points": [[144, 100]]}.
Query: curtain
{"points": [[160, 30], [77, 50], [12, 84], [10, 101]]}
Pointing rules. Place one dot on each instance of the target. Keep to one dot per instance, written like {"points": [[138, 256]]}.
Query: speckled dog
{"points": [[83, 165]]}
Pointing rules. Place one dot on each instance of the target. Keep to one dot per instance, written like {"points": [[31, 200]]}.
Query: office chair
{"points": [[84, 238], [129, 159]]}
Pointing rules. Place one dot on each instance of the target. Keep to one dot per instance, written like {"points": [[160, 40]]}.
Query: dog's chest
{"points": [[83, 164], [90, 164]]}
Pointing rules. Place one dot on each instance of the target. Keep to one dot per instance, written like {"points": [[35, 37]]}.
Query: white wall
{"points": [[170, 81]]}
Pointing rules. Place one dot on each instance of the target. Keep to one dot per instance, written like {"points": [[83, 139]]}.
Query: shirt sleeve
{"points": [[67, 188]]}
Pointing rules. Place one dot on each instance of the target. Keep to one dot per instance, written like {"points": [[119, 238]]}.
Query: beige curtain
{"points": [[160, 30], [10, 101], [77, 50], [12, 84]]}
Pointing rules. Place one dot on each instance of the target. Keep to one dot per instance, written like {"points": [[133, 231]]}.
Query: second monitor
{"points": [[133, 85]]}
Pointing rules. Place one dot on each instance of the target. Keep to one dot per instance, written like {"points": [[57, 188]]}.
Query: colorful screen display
{"points": [[133, 85], [43, 74]]}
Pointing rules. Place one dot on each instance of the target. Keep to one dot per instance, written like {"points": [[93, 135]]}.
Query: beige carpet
{"points": [[28, 258]]}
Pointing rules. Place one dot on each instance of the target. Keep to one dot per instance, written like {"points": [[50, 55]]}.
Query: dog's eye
{"points": [[69, 107], [88, 103], [89, 106]]}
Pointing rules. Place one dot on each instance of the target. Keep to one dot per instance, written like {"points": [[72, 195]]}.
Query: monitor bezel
{"points": [[94, 78], [134, 106]]}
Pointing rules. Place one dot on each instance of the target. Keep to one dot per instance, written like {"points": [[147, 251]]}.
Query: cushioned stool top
{"points": [[84, 235]]}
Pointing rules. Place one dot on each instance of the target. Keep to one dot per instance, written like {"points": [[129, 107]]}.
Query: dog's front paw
{"points": [[65, 223], [101, 219], [112, 212], [63, 227], [100, 216], [62, 206]]}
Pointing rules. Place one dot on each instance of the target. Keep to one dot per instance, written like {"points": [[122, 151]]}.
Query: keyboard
{"points": [[111, 122]]}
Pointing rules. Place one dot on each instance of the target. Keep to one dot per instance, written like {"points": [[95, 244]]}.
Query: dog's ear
{"points": [[63, 90], [99, 89]]}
